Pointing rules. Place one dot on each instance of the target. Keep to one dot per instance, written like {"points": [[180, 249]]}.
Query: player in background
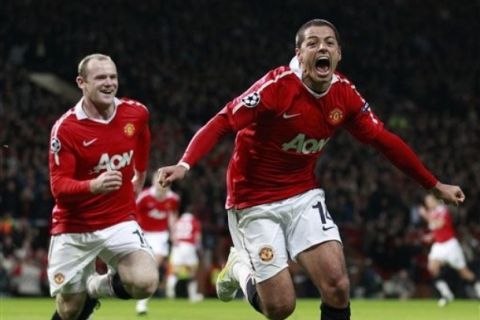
{"points": [[446, 249], [98, 159], [184, 258], [275, 209], [157, 210]]}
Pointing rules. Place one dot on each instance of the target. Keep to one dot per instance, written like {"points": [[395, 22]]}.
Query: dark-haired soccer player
{"points": [[275, 209]]}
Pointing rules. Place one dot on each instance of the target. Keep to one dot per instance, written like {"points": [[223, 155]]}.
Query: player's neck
{"points": [[318, 88], [160, 194], [94, 111]]}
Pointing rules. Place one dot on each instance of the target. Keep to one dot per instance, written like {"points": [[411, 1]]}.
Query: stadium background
{"points": [[415, 62]]}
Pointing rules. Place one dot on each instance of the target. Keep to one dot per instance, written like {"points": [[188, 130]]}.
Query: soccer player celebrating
{"points": [[275, 209], [157, 211], [446, 249], [98, 159]]}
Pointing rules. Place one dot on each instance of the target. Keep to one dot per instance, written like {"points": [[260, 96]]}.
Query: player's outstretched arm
{"points": [[449, 193]]}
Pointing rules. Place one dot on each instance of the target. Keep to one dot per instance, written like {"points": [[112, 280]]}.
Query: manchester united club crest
{"points": [[335, 116], [266, 254], [129, 129], [59, 278]]}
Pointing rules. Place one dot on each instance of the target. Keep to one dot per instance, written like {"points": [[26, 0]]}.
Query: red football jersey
{"points": [[282, 127], [187, 229], [153, 213], [441, 224], [83, 148]]}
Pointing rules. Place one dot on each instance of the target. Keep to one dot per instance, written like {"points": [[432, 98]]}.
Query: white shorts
{"points": [[71, 256], [449, 252], [158, 241], [184, 254], [272, 233]]}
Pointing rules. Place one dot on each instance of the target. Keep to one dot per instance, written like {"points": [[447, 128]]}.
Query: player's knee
{"points": [[69, 311], [434, 270], [146, 285], [278, 311], [337, 290]]}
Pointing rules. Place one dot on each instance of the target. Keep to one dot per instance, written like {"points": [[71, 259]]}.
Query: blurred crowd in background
{"points": [[415, 62]]}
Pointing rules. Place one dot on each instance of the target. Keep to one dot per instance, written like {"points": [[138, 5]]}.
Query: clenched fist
{"points": [[107, 182]]}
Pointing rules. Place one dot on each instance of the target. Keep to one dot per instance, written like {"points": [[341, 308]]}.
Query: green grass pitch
{"points": [[212, 309]]}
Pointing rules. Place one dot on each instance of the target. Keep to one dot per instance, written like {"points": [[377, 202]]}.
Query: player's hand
{"points": [[107, 182], [449, 193], [171, 173]]}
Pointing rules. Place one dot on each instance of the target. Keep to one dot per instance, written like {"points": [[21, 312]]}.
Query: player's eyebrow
{"points": [[329, 37]]}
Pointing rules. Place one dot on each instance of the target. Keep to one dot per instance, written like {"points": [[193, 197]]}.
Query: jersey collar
{"points": [[81, 115]]}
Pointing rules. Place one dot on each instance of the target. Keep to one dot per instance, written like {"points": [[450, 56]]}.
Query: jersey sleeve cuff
{"points": [[184, 164]]}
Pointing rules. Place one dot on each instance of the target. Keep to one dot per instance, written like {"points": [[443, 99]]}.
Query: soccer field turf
{"points": [[212, 309]]}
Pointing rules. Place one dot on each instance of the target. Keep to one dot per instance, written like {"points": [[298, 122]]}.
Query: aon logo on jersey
{"points": [[302, 145], [115, 162]]}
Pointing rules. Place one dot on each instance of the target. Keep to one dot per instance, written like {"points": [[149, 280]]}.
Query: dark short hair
{"points": [[300, 36]]}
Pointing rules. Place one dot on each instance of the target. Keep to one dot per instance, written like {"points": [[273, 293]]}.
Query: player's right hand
{"points": [[451, 194], [107, 182], [167, 175]]}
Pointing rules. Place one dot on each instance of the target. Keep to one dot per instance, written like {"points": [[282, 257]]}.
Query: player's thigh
{"points": [[137, 267], [70, 303], [325, 265], [277, 292], [434, 266]]}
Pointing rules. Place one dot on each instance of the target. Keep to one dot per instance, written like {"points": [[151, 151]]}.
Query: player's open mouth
{"points": [[322, 65]]}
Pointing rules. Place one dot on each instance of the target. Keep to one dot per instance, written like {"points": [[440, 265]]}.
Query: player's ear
{"points": [[339, 53], [80, 82], [298, 55]]}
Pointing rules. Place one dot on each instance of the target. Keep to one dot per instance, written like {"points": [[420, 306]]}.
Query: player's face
{"points": [[430, 201], [319, 55], [101, 83]]}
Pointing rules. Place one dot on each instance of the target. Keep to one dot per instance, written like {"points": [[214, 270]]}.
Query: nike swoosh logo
{"points": [[87, 143], [288, 116], [326, 229]]}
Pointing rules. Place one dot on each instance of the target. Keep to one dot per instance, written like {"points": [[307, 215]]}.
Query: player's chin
{"points": [[105, 99], [322, 78]]}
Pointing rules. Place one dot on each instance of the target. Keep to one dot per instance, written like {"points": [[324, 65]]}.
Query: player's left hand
{"points": [[449, 193]]}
